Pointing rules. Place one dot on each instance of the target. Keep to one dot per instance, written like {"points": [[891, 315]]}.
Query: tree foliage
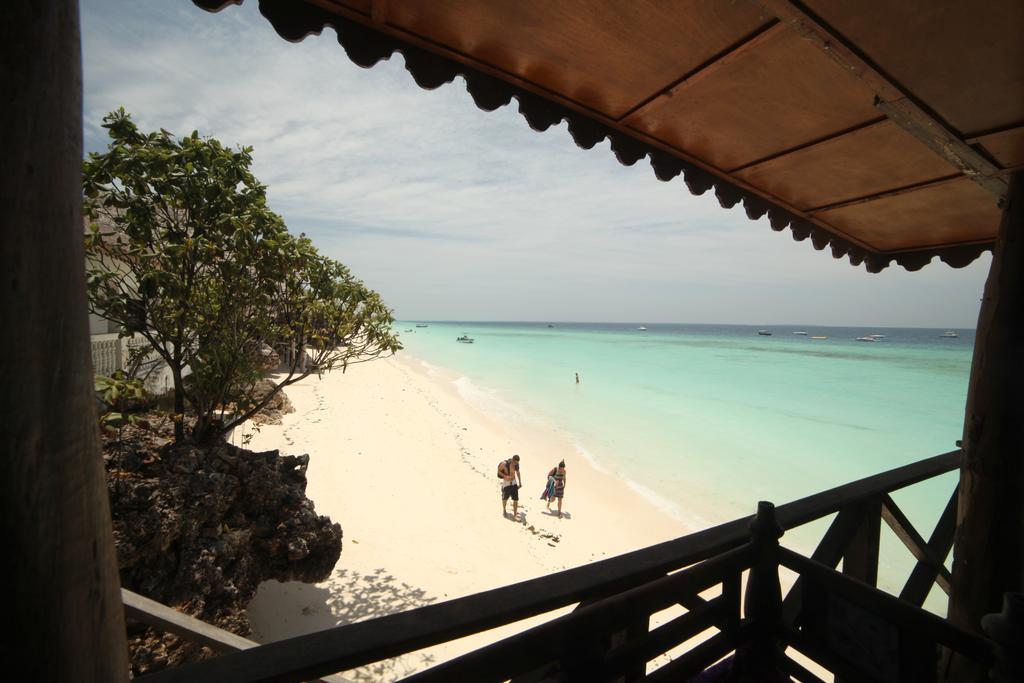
{"points": [[183, 250]]}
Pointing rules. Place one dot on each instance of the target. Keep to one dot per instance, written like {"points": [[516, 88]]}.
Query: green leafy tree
{"points": [[183, 250]]}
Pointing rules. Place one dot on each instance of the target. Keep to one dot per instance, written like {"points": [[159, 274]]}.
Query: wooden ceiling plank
{"points": [[891, 99], [888, 193], [702, 71], [975, 138], [807, 145]]}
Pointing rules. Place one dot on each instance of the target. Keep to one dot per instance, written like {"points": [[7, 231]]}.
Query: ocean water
{"points": [[708, 419]]}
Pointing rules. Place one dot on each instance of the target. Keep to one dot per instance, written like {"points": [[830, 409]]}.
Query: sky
{"points": [[452, 213]]}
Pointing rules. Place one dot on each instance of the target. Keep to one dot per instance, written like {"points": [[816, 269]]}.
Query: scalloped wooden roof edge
{"points": [[365, 47]]}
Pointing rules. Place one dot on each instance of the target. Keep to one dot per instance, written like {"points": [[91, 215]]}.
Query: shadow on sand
{"points": [[554, 513], [283, 610]]}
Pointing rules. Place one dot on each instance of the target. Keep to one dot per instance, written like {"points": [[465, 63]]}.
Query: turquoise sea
{"points": [[709, 419]]}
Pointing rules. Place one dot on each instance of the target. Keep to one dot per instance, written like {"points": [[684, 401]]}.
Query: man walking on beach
{"points": [[511, 480]]}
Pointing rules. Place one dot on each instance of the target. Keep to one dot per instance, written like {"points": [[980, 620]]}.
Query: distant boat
{"points": [[421, 325], [802, 334], [465, 339], [867, 339], [877, 336], [949, 333], [550, 325], [642, 328], [819, 337], [765, 333]]}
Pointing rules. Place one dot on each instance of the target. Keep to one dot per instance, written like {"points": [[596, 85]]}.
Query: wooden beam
{"points": [[988, 556], [922, 577], [901, 615], [63, 609], [860, 561], [906, 532], [829, 551], [164, 618], [891, 99]]}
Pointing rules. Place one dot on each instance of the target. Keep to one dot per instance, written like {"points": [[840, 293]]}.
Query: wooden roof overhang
{"points": [[884, 130]]}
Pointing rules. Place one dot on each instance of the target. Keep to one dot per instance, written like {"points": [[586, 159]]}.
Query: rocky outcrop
{"points": [[274, 411], [199, 529]]}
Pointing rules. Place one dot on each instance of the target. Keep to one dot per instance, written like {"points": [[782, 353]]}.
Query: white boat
{"points": [[801, 333], [877, 336], [465, 339], [950, 334], [642, 328], [765, 333], [867, 339], [819, 337]]}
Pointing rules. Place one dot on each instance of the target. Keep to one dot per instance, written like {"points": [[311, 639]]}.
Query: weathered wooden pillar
{"points": [[758, 659], [988, 553], [62, 608]]}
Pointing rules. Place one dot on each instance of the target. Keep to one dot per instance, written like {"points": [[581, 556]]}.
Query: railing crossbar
{"points": [[350, 646], [905, 531], [663, 638], [903, 616], [532, 648]]}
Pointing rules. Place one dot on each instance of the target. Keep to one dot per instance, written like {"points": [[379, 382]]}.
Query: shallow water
{"points": [[709, 419]]}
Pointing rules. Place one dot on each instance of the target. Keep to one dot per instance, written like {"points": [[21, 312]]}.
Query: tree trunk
{"points": [[988, 555], [179, 402], [64, 608]]}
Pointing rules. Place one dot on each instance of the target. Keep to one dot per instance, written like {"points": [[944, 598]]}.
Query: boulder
{"points": [[199, 529]]}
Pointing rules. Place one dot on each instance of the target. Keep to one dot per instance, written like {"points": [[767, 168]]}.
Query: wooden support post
{"points": [[760, 657], [860, 560], [988, 551], [63, 611]]}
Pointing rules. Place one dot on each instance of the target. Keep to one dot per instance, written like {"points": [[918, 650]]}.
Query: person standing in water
{"points": [[558, 475], [577, 378]]}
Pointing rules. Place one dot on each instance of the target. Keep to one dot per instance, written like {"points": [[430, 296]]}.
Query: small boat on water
{"points": [[765, 333], [421, 325], [642, 328], [819, 337], [465, 339], [949, 334], [867, 339], [800, 333], [877, 336]]}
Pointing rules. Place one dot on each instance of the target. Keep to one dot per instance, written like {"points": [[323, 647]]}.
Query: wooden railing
{"points": [[608, 636]]}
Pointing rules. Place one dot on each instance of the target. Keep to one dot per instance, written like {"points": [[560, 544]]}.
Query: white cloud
{"points": [[452, 212]]}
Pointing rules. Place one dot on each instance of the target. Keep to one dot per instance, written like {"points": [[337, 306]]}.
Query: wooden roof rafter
{"points": [[372, 30], [891, 98]]}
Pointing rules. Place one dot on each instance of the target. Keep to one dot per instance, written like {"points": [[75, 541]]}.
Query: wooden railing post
{"points": [[860, 561], [759, 657], [1006, 630]]}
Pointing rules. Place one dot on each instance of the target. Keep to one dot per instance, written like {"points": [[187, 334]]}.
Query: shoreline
{"points": [[406, 464]]}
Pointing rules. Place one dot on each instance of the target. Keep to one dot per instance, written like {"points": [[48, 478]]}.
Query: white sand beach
{"points": [[407, 466]]}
